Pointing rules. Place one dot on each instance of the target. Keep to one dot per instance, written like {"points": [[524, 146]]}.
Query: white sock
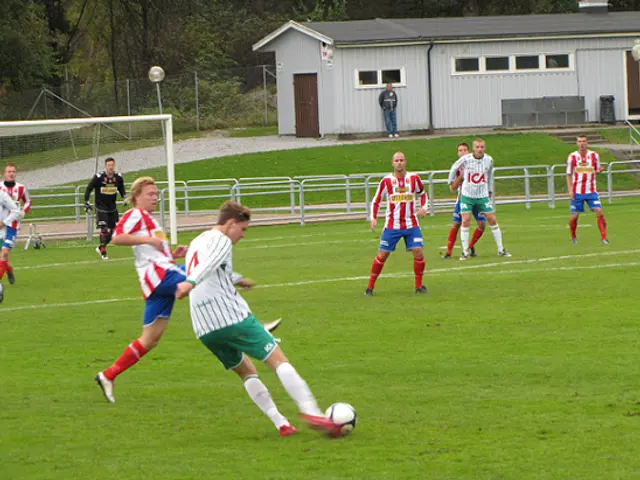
{"points": [[497, 236], [464, 239], [297, 389], [262, 398]]}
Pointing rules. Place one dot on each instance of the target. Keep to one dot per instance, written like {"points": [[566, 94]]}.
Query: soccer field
{"points": [[518, 368]]}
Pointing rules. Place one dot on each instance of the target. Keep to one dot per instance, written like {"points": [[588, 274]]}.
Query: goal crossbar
{"points": [[166, 119]]}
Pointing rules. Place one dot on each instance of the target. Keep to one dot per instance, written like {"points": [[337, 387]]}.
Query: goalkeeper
{"points": [[107, 184]]}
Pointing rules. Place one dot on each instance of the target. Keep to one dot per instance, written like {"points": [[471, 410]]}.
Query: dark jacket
{"points": [[388, 100], [106, 189]]}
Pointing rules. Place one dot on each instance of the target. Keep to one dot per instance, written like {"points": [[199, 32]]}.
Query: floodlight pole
{"points": [[156, 75], [159, 96]]}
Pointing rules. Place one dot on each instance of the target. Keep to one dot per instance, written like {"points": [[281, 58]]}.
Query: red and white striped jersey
{"points": [[20, 195], [151, 264], [401, 196], [583, 171]]}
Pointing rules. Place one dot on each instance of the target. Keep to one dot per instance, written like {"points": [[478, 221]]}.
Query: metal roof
{"points": [[466, 28]]}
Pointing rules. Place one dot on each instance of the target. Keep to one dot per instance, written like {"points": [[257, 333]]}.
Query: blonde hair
{"points": [[136, 188]]}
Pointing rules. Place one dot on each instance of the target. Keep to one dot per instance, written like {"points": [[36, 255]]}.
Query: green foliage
{"points": [[25, 56], [88, 48], [329, 11]]}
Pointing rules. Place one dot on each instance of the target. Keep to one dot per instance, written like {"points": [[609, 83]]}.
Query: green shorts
{"points": [[481, 205], [230, 343]]}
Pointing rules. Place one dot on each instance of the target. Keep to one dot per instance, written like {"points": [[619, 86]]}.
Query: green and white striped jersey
{"points": [[214, 302], [477, 175]]}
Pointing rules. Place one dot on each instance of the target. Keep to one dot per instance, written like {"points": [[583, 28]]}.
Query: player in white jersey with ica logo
{"points": [[223, 322], [582, 167], [455, 186], [477, 179], [157, 271]]}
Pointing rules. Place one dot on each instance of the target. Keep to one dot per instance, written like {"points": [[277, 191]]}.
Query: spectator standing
{"points": [[388, 101]]}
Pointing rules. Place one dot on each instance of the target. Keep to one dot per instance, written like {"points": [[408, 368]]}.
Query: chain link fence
{"points": [[238, 97]]}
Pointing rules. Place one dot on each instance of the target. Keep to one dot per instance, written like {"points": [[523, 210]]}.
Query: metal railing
{"points": [[634, 139], [307, 198]]}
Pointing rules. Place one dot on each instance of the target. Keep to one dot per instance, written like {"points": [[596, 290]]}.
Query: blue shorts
{"points": [[10, 235], [390, 238], [160, 302], [577, 205], [457, 218]]}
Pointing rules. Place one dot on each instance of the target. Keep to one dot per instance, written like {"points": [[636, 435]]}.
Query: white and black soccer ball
{"points": [[344, 415]]}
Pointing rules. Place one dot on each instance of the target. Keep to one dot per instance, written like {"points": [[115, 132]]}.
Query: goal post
{"points": [[17, 134]]}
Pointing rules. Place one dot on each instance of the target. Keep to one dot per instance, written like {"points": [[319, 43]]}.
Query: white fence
{"points": [[307, 198]]}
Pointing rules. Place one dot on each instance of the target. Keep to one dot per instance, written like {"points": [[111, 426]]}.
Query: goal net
{"points": [[55, 159]]}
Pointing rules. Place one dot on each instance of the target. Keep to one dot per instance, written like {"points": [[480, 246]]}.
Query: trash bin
{"points": [[607, 109]]}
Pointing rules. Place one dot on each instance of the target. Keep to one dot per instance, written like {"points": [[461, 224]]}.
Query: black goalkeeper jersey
{"points": [[106, 190]]}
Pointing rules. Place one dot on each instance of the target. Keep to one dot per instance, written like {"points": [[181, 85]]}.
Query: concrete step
{"points": [[593, 138]]}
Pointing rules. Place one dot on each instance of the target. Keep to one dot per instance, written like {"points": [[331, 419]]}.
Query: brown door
{"points": [[305, 88], [633, 85]]}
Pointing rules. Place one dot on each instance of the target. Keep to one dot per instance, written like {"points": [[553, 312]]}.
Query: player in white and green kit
{"points": [[224, 323], [476, 184]]}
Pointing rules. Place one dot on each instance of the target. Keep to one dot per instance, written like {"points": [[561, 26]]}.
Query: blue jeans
{"points": [[390, 121]]}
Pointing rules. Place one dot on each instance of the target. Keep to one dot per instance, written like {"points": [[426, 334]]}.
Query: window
{"points": [[496, 63], [531, 62], [379, 78], [520, 64], [467, 64], [368, 77], [393, 76], [556, 61]]}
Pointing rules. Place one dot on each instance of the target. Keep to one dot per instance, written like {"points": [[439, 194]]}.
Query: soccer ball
{"points": [[344, 415]]}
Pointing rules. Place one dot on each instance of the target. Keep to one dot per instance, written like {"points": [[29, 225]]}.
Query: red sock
{"points": [[376, 268], [451, 241], [602, 225], [476, 236], [3, 268], [131, 355], [418, 270], [573, 225]]}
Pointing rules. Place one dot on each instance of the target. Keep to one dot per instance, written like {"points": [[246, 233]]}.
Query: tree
{"points": [[26, 57]]}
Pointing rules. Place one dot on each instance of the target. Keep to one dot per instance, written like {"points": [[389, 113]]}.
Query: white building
{"points": [[455, 72]]}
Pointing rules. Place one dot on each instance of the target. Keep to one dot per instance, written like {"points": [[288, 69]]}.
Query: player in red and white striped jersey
{"points": [[157, 271], [402, 191], [20, 195], [582, 167]]}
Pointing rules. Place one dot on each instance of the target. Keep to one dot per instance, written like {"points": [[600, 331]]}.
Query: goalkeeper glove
{"points": [[87, 207]]}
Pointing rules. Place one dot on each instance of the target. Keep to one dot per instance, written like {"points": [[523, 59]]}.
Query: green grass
{"points": [[254, 131], [615, 135], [521, 368]]}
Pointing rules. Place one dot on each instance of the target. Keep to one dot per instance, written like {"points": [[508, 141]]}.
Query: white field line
{"points": [[70, 304], [284, 245], [257, 247], [464, 270], [251, 240], [429, 273], [357, 232]]}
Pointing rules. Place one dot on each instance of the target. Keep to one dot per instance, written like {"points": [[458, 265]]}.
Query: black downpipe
{"points": [[429, 87]]}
